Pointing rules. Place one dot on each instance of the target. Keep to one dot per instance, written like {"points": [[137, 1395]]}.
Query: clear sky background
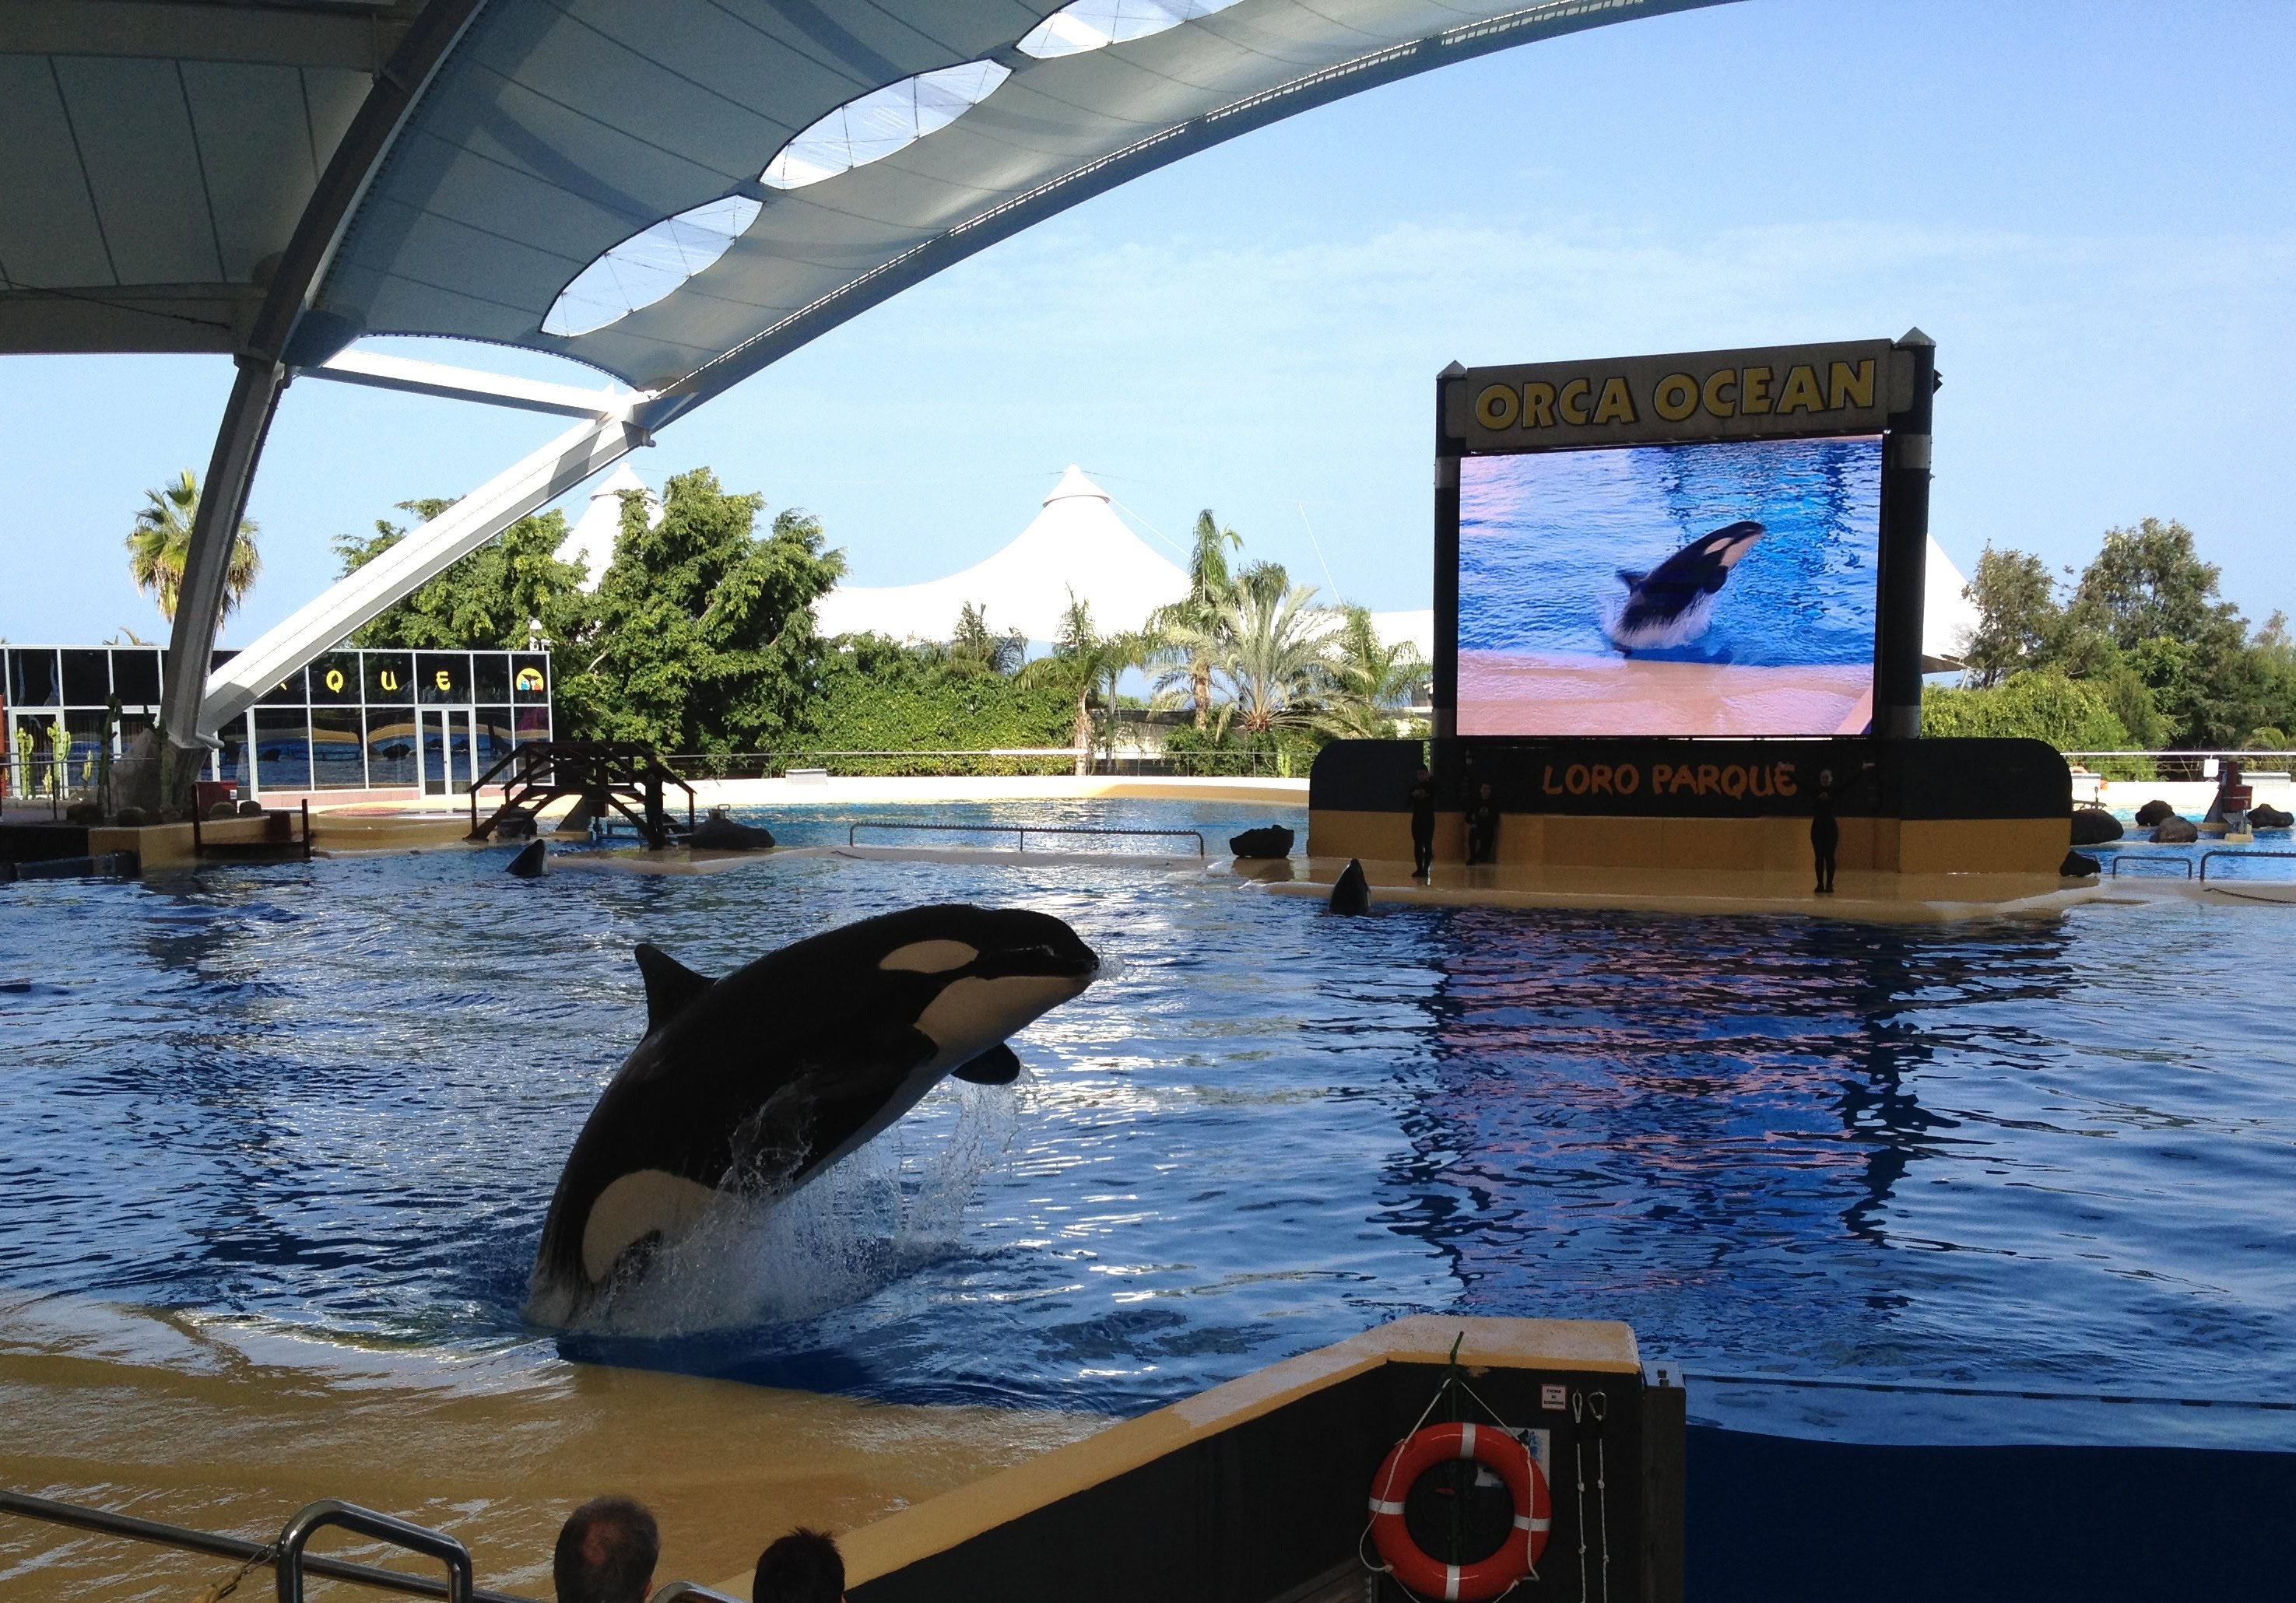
{"points": [[2089, 205]]}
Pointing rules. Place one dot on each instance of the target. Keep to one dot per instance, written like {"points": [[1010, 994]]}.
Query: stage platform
{"points": [[1859, 894]]}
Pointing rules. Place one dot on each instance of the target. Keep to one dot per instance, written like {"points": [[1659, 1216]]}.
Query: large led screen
{"points": [[1724, 589]]}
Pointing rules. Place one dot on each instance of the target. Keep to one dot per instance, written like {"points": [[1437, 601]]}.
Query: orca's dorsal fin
{"points": [[671, 985], [996, 1066], [1630, 578]]}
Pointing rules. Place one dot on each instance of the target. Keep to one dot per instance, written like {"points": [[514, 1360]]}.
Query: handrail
{"points": [[2121, 857], [2233, 852], [1022, 831], [310, 1520], [106, 1522]]}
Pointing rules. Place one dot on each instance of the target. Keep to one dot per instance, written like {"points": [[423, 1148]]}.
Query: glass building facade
{"points": [[354, 720]]}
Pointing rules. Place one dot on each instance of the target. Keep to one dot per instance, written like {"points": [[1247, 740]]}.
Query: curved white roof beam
{"points": [[871, 127], [1090, 24], [648, 265]]}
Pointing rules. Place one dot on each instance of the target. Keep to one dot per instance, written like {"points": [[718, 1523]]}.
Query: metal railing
{"points": [[290, 1563], [1022, 831], [2235, 852], [997, 760], [2121, 857], [286, 1555]]}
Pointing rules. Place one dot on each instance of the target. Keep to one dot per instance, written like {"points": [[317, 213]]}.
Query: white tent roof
{"points": [[1948, 617], [591, 541], [1076, 546]]}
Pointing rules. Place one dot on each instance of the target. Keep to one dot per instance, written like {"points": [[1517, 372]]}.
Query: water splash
{"points": [[887, 1211]]}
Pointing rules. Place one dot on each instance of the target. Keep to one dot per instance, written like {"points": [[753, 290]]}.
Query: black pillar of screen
{"points": [[1445, 694], [1905, 550]]}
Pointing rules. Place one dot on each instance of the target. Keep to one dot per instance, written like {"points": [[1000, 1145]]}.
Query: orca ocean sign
{"points": [[1666, 545]]}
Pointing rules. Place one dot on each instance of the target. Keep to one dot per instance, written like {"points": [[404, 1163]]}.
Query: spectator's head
{"points": [[1425, 773], [803, 1567], [606, 1553]]}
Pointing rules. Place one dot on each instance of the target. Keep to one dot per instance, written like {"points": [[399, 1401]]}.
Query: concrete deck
{"points": [[1872, 897]]}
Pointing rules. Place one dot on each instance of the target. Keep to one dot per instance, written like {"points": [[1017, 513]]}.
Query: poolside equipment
{"points": [[1255, 1491], [608, 777], [1495, 1448], [1352, 893], [748, 1086], [1269, 840], [2095, 826], [719, 832]]}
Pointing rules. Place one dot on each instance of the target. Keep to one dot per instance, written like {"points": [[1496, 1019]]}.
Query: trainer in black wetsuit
{"points": [[1422, 824], [1824, 829], [1483, 826]]}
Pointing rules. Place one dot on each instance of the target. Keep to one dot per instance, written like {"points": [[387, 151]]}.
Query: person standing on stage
{"points": [[1483, 826], [1422, 824]]}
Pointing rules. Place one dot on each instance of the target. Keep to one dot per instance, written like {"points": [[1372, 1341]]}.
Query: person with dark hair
{"points": [[1824, 829], [606, 1553], [1483, 826], [803, 1567], [1423, 823]]}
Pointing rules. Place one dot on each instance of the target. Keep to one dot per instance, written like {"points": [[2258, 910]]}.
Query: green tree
{"points": [[2149, 583], [878, 695], [1089, 665], [977, 649], [1273, 664], [1369, 682], [160, 546], [2018, 620], [2040, 704], [702, 636], [1190, 627], [494, 598]]}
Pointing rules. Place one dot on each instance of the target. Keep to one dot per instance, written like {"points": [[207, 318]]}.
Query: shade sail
{"points": [[1075, 549]]}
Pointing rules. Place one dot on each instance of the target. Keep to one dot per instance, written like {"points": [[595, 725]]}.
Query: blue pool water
{"points": [[2051, 1155], [1543, 537]]}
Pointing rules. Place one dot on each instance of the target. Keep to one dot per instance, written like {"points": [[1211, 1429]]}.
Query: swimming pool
{"points": [[2049, 1155]]}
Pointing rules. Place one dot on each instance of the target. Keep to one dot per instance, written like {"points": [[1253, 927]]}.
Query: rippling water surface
{"points": [[2048, 1156]]}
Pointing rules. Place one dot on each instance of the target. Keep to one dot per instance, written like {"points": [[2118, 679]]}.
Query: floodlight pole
{"points": [[1444, 693], [264, 359], [1904, 546]]}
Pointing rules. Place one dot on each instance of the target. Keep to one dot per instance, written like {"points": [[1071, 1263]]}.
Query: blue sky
{"points": [[2088, 205]]}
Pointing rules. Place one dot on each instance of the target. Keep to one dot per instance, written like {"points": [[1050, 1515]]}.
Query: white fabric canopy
{"points": [[591, 541], [1948, 617], [1076, 546]]}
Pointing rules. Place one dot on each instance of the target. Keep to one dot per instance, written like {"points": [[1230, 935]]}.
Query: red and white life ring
{"points": [[1495, 1451]]}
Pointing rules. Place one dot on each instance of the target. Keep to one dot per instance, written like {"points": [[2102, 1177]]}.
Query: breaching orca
{"points": [[755, 1082], [1352, 893], [528, 863], [1672, 603]]}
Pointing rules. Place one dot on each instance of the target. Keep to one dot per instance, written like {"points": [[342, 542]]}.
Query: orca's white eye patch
{"points": [[929, 957]]}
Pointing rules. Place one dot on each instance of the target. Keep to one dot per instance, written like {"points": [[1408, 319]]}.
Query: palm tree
{"points": [[1369, 682], [1090, 664], [161, 545], [976, 649], [1275, 663], [1190, 627]]}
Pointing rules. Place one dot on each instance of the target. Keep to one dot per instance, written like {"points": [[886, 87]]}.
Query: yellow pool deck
{"points": [[1860, 896]]}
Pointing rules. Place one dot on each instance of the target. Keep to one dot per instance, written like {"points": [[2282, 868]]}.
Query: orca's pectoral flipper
{"points": [[671, 987], [996, 1066]]}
